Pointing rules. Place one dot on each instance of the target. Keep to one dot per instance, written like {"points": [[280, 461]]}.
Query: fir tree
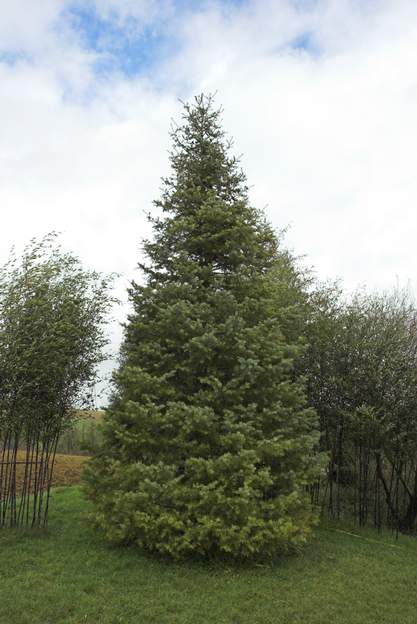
{"points": [[209, 445]]}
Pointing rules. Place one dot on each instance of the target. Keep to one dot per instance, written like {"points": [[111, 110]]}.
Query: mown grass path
{"points": [[69, 575]]}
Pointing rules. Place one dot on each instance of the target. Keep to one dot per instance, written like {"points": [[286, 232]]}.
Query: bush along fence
{"points": [[363, 383]]}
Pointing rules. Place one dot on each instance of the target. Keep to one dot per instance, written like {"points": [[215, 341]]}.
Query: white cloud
{"points": [[25, 24], [328, 137], [328, 133]]}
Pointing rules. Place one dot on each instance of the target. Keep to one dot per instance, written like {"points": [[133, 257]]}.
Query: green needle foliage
{"points": [[209, 445]]}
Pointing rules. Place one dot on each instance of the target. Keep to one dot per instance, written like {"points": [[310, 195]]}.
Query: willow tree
{"points": [[209, 445], [52, 318]]}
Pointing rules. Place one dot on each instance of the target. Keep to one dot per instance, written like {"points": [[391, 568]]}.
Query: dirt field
{"points": [[67, 470]]}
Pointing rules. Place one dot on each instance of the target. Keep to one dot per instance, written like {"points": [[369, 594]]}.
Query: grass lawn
{"points": [[70, 575]]}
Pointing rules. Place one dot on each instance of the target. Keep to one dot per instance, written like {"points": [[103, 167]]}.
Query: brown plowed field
{"points": [[67, 469]]}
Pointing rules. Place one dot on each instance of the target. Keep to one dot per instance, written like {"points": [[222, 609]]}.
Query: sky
{"points": [[320, 97]]}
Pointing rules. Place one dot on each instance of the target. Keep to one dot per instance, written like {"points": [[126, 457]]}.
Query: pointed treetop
{"points": [[207, 219]]}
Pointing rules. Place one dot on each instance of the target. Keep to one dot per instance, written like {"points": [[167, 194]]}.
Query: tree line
{"points": [[248, 398]]}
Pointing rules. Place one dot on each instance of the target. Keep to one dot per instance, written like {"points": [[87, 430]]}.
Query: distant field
{"points": [[72, 450], [67, 469]]}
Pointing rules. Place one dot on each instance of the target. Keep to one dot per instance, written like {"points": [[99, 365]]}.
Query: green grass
{"points": [[70, 575]]}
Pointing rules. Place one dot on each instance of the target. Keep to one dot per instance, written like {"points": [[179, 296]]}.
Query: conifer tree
{"points": [[208, 445]]}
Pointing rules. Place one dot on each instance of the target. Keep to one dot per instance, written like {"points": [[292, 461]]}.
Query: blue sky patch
{"points": [[128, 47], [11, 57], [304, 41]]}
